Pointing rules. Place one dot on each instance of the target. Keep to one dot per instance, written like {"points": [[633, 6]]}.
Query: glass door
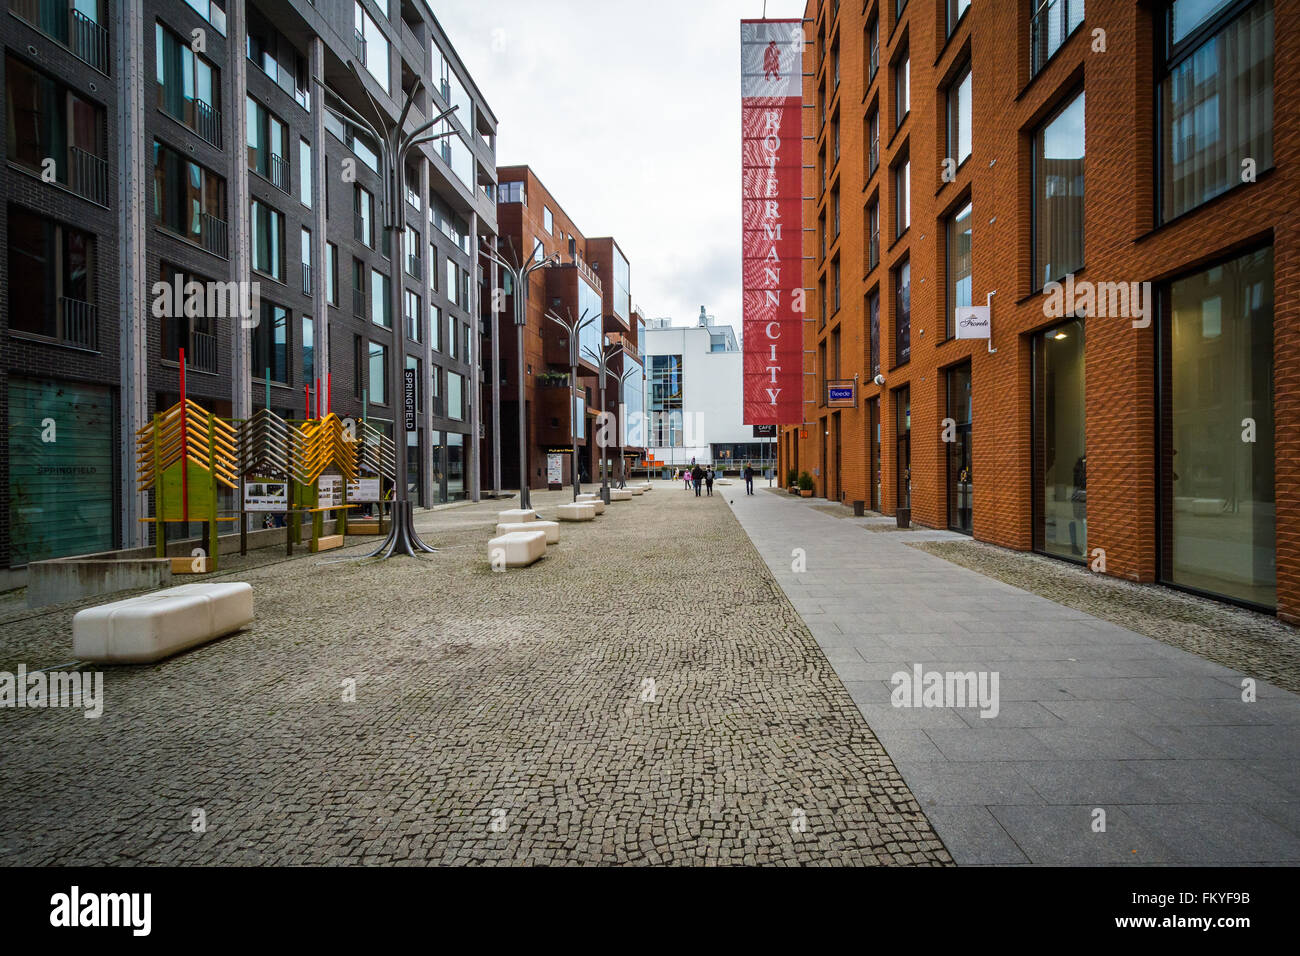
{"points": [[1060, 454], [903, 438], [960, 479]]}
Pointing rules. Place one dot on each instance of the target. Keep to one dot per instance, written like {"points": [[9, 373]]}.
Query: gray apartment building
{"points": [[178, 141]]}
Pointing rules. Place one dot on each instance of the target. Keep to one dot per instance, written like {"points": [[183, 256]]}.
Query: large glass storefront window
{"points": [[1218, 512], [1060, 455], [1059, 194], [958, 444]]}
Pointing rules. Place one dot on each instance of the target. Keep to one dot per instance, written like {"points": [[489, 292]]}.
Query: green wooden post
{"points": [[159, 527]]}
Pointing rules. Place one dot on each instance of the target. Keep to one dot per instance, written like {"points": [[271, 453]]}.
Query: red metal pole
{"points": [[318, 414], [185, 451], [329, 392]]}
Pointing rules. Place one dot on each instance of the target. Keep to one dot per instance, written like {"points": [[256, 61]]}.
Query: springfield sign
{"points": [[771, 116]]}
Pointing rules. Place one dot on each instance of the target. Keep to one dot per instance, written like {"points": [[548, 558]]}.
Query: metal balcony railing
{"points": [[207, 122], [414, 267], [214, 235], [1050, 27], [873, 249], [306, 278], [359, 46], [873, 156], [60, 21], [88, 175], [359, 303], [359, 231], [279, 170], [202, 355], [78, 323]]}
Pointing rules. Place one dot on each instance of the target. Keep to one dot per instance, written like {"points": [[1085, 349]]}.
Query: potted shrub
{"points": [[792, 481], [805, 485]]}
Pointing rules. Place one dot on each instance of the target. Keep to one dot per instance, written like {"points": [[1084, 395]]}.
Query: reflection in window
{"points": [[1219, 514], [1058, 194]]}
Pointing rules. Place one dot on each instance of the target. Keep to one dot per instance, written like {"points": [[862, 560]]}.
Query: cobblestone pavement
{"points": [[499, 718], [1247, 641]]}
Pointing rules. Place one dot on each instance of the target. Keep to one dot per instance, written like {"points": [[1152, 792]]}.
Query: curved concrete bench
{"points": [[551, 528], [516, 516], [593, 500], [636, 490], [620, 494], [577, 511], [147, 628], [518, 549]]}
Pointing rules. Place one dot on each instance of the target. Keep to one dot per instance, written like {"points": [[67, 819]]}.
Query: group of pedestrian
{"points": [[697, 478]]}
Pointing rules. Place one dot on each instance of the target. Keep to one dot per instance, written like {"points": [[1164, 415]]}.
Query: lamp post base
{"points": [[402, 537]]}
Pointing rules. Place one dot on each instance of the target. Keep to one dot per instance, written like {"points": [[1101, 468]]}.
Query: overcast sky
{"points": [[629, 112]]}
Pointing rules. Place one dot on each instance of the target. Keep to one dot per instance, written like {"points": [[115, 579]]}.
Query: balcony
{"points": [[214, 235], [207, 122], [1050, 28], [88, 175], [279, 170], [60, 21], [202, 355], [78, 323]]}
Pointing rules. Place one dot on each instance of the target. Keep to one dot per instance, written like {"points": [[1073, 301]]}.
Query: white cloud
{"points": [[630, 114]]}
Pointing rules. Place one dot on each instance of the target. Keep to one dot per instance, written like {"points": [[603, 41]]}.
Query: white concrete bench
{"points": [[577, 511], [593, 500], [636, 490], [516, 516], [518, 549], [620, 494], [722, 481], [551, 528], [149, 627], [647, 486]]}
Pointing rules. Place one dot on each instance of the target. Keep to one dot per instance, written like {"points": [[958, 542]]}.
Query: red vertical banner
{"points": [[771, 70]]}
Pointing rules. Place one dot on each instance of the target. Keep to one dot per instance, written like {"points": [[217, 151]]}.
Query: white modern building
{"points": [[693, 396]]}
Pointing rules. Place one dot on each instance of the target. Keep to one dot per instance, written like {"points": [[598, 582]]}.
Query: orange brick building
{"points": [[1119, 184], [593, 276]]}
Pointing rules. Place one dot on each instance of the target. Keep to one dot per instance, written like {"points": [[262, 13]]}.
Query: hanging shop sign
{"points": [[972, 322], [842, 393]]}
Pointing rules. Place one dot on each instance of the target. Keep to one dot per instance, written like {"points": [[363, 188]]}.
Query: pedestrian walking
{"points": [[749, 479], [708, 480], [686, 478], [697, 479]]}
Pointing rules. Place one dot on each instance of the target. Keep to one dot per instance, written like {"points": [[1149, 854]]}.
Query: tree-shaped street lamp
{"points": [[608, 351], [636, 369], [395, 144], [574, 327], [519, 274]]}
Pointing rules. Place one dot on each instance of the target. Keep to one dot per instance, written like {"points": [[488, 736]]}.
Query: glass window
{"points": [[51, 279], [1053, 23], [47, 120], [902, 90], [622, 287], [903, 313], [903, 445], [381, 312], [1058, 194], [903, 197], [189, 87], [455, 397], [1216, 106], [959, 265], [1060, 454], [268, 240], [370, 45], [378, 376], [959, 118], [308, 349], [548, 221], [873, 314], [304, 172], [959, 450], [331, 273], [1219, 509], [270, 352], [666, 389], [304, 259], [435, 328], [412, 310]]}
